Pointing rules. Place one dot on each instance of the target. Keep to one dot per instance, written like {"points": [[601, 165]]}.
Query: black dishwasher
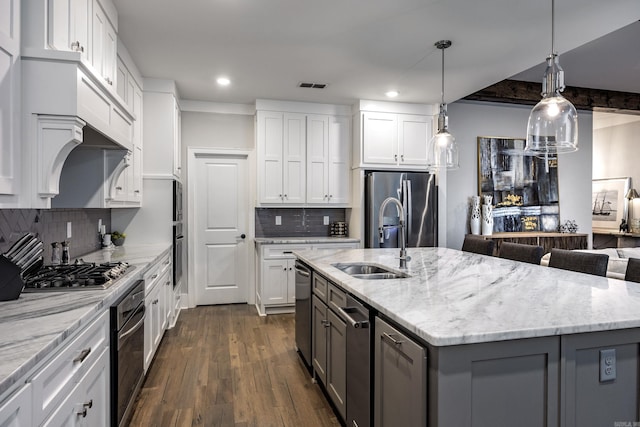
{"points": [[303, 311]]}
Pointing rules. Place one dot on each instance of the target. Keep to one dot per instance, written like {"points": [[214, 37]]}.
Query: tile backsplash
{"points": [[296, 222], [50, 225]]}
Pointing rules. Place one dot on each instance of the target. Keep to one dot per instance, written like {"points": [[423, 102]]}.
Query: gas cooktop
{"points": [[78, 276]]}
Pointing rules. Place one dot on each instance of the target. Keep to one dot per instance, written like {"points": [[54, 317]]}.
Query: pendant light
{"points": [[553, 122], [442, 151]]}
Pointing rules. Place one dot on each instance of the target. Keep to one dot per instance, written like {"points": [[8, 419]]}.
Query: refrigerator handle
{"points": [[407, 205]]}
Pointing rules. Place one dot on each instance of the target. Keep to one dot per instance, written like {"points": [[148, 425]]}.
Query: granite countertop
{"points": [[302, 240], [36, 323], [456, 297]]}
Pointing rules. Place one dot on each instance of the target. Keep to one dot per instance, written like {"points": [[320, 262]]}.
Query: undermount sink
{"points": [[369, 271]]}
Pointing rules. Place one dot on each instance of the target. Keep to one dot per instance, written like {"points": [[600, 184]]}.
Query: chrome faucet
{"points": [[381, 227]]}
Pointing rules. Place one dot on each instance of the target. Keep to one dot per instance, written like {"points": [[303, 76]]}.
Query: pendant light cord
{"points": [[442, 91], [553, 26]]}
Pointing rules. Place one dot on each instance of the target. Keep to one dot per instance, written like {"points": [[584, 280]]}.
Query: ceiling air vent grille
{"points": [[312, 85]]}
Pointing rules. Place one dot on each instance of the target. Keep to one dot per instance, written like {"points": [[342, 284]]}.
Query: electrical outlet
{"points": [[607, 365], [326, 220], [68, 229], [278, 220]]}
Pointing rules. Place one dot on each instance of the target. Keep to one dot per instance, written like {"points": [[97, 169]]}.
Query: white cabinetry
{"points": [[88, 403], [70, 26], [16, 410], [281, 157], [78, 374], [161, 129], [398, 140], [9, 103], [104, 41], [158, 307], [328, 159], [276, 274]]}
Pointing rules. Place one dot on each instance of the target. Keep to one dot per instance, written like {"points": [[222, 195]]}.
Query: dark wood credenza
{"points": [[547, 240]]}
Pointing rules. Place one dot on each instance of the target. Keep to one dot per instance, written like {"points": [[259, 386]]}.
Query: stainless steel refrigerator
{"points": [[418, 194]]}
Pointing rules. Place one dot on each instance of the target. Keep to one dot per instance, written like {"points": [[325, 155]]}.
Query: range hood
{"points": [[61, 98]]}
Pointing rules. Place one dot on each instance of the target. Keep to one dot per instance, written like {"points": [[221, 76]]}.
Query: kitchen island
{"points": [[506, 343]]}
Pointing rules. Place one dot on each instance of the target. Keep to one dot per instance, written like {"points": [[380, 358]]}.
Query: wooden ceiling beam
{"points": [[528, 93]]}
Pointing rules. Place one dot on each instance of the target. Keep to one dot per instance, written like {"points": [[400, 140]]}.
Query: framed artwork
{"points": [[608, 203], [524, 187]]}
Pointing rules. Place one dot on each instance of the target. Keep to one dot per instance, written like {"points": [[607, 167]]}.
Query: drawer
{"points": [[55, 380], [164, 264], [336, 297], [156, 271], [282, 251], [319, 286]]}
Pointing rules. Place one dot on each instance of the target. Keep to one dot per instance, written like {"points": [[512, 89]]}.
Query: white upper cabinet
{"points": [[303, 153], [281, 157], [161, 129], [70, 26], [104, 44], [328, 159], [395, 139], [9, 103]]}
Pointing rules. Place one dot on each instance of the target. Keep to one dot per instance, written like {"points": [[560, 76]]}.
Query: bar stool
{"points": [[633, 270], [478, 245], [582, 262], [520, 252]]}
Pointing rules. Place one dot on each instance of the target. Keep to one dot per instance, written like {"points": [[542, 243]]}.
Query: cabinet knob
{"points": [[395, 157], [155, 301], [330, 196], [119, 188], [285, 196], [402, 157], [326, 196], [325, 323]]}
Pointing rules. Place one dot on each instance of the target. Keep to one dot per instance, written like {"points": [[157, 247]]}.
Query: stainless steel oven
{"points": [[127, 353], [178, 237]]}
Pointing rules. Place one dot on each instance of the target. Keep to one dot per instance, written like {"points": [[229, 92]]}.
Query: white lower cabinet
{"points": [[53, 383], [276, 274], [88, 403], [16, 411], [157, 305]]}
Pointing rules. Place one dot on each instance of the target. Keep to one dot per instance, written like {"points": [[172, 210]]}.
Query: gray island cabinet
{"points": [[469, 340]]}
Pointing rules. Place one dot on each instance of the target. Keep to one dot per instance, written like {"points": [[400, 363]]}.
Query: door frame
{"points": [[193, 153]]}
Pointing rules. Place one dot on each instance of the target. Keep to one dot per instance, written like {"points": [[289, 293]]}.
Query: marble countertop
{"points": [[36, 323], [456, 297], [304, 240]]}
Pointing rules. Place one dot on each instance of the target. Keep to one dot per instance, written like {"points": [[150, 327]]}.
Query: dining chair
{"points": [[478, 245], [520, 252], [582, 262], [633, 270]]}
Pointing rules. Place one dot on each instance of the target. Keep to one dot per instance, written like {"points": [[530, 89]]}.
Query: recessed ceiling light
{"points": [[223, 81], [392, 93]]}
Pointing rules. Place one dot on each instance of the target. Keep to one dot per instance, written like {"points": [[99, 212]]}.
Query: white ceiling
{"points": [[363, 48]]}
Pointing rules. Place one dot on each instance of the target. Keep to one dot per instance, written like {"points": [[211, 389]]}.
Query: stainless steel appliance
{"points": [[417, 192], [358, 363], [75, 277], [303, 311], [127, 353], [178, 236]]}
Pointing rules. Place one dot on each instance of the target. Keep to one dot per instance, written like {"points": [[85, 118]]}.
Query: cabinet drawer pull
{"points": [[325, 323], [287, 252], [155, 276], [168, 282], [82, 413], [83, 355], [155, 301], [391, 338], [118, 188], [88, 405]]}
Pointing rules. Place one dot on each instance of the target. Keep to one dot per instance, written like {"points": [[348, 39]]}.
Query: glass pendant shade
{"points": [[553, 122], [442, 150]]}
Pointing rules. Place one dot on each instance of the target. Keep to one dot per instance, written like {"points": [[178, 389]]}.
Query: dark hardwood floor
{"points": [[227, 366]]}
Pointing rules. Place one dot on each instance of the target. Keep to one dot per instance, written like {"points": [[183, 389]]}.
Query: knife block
{"points": [[11, 283]]}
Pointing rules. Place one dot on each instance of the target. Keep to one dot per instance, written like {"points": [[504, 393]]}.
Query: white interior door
{"points": [[221, 207]]}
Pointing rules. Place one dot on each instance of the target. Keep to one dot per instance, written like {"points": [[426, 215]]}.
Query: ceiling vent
{"points": [[313, 85]]}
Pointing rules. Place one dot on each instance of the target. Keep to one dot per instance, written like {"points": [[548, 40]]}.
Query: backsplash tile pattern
{"points": [[296, 222], [50, 225]]}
